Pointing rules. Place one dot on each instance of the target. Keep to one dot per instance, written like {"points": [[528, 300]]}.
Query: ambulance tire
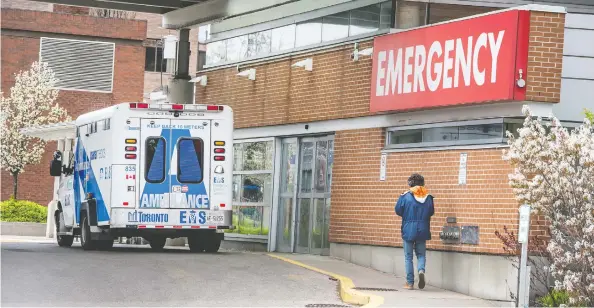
{"points": [[63, 240], [104, 244], [196, 243], [213, 243], [85, 235], [157, 243]]}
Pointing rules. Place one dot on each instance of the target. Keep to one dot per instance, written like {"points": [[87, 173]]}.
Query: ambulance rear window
{"points": [[155, 160], [190, 154]]}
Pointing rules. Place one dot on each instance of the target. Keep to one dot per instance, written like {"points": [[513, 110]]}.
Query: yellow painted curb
{"points": [[345, 285]]}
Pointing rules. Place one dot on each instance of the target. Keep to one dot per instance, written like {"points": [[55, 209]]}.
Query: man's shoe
{"points": [[408, 286], [421, 279]]}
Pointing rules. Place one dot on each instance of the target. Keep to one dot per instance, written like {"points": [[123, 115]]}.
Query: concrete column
{"points": [[410, 14], [180, 90]]}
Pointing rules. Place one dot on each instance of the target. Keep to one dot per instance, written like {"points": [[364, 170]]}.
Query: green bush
{"points": [[22, 211], [556, 298]]}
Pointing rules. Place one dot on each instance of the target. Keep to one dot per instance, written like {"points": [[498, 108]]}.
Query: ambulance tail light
{"points": [[130, 148], [219, 150], [139, 106], [130, 156], [214, 108], [219, 158]]}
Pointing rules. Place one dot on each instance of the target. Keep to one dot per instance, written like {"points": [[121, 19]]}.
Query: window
{"points": [[190, 156], [335, 26], [308, 33], [154, 61], [283, 38], [259, 43], [79, 65], [155, 160], [449, 134], [106, 124], [363, 20], [252, 186]]}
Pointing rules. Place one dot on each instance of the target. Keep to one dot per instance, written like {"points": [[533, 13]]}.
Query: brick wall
{"points": [[336, 88], [73, 24], [69, 9], [362, 209], [545, 55], [18, 52]]}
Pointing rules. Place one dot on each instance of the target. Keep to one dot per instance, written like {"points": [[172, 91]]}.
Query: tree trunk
{"points": [[15, 183]]}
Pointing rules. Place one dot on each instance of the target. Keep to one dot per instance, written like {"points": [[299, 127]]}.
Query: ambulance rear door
{"points": [[189, 174]]}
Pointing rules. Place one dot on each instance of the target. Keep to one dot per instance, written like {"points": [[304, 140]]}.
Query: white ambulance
{"points": [[147, 170]]}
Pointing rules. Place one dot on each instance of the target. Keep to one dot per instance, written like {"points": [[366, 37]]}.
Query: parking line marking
{"points": [[346, 285]]}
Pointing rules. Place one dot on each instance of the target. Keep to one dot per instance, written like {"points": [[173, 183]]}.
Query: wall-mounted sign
{"points": [[460, 62], [462, 170], [524, 227], [383, 163]]}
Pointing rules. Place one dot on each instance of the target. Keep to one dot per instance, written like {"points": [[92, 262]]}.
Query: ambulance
{"points": [[147, 170]]}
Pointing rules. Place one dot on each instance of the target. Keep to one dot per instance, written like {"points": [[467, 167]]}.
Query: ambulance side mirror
{"points": [[56, 164], [56, 167]]}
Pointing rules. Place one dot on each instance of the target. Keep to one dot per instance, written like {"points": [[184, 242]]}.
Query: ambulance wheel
{"points": [[196, 243], [213, 243], [63, 240], [85, 235], [157, 243], [104, 244]]}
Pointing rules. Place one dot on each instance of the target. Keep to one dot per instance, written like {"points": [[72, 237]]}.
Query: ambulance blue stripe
{"points": [[82, 160]]}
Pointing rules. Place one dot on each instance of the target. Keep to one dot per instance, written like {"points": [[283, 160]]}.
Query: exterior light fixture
{"points": [[364, 52], [202, 80], [306, 63], [250, 74]]}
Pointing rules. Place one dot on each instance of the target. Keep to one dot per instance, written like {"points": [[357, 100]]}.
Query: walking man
{"points": [[416, 208]]}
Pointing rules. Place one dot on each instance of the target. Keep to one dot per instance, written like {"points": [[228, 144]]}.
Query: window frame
{"points": [[200, 160], [164, 62], [422, 127], [146, 162], [457, 143]]}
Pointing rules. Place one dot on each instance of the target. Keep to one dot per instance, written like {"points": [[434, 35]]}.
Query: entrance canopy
{"points": [[52, 132], [181, 13]]}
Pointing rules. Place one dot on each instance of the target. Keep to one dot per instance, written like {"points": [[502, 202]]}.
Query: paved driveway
{"points": [[43, 274]]}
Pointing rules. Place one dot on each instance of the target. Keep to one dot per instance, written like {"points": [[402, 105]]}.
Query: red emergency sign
{"points": [[461, 62]]}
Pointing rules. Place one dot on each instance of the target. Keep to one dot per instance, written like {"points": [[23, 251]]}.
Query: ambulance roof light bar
{"points": [[176, 107]]}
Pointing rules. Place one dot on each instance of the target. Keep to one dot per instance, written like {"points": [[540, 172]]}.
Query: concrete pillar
{"points": [[180, 90], [410, 14]]}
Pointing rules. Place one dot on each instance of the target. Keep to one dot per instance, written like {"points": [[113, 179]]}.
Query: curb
{"points": [[345, 285]]}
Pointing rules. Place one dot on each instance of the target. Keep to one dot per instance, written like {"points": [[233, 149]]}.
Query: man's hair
{"points": [[416, 180]]}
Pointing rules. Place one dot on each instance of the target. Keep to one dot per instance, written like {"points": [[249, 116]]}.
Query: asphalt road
{"points": [[43, 274]]}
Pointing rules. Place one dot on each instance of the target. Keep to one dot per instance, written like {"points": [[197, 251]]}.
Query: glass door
{"points": [[313, 197], [288, 189]]}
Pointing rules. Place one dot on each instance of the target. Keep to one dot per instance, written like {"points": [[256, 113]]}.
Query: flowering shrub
{"points": [[554, 173], [30, 103]]}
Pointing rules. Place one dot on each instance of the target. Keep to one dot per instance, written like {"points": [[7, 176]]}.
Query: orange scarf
{"points": [[419, 191]]}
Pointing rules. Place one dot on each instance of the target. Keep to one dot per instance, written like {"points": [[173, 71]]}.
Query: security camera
{"points": [[355, 55]]}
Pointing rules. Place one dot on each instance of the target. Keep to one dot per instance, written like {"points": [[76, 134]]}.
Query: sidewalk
{"points": [[26, 239], [363, 277]]}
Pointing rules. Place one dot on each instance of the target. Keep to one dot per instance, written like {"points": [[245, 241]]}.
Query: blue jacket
{"points": [[416, 217]]}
